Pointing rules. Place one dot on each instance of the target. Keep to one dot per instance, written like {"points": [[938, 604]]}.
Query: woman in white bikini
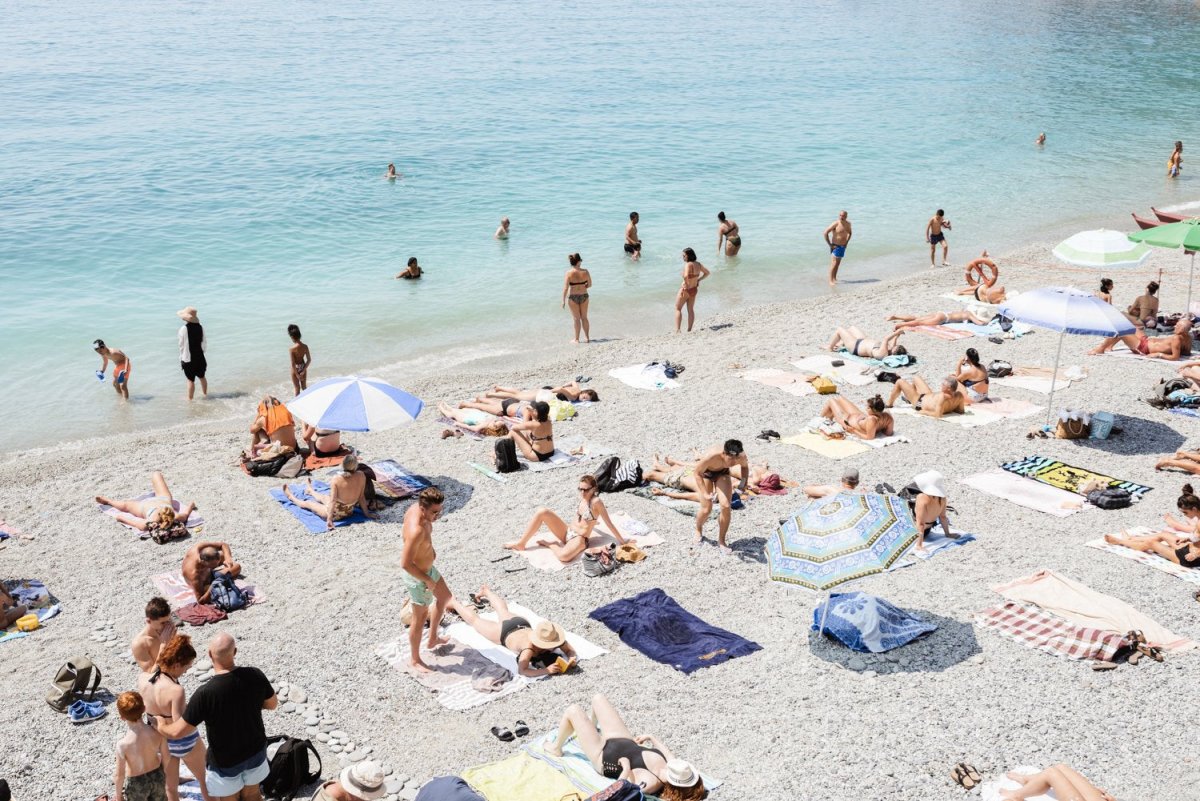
{"points": [[156, 512], [572, 539]]}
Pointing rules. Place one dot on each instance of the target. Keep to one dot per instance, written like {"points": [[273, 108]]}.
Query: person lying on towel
{"points": [[533, 645]]}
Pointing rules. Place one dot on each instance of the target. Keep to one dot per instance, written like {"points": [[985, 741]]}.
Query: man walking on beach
{"points": [[934, 236], [424, 583], [837, 236], [633, 245], [191, 351], [712, 476], [121, 367]]}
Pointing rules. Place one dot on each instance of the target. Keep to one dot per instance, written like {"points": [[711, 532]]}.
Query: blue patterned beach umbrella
{"points": [[355, 404], [840, 538]]}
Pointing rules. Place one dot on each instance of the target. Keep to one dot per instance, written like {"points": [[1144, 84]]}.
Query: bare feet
{"points": [[420, 666], [512, 546], [435, 641], [725, 549], [551, 747], [100, 499], [699, 538]]}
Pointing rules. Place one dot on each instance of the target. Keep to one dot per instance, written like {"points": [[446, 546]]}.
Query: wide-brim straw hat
{"points": [[364, 780], [931, 482], [547, 636], [188, 315], [681, 774]]}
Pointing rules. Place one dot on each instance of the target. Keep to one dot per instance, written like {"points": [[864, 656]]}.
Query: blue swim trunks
{"points": [[838, 250]]}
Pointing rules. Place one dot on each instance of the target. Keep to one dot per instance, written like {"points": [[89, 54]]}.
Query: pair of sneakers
{"points": [[86, 711]]}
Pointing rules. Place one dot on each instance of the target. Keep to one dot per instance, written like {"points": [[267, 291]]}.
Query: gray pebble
{"points": [[338, 733], [393, 786], [288, 707], [357, 756], [311, 721], [323, 737], [856, 663], [407, 794], [298, 695], [335, 748]]}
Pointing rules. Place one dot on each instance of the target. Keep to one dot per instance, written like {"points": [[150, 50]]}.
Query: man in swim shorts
{"points": [[934, 235], [633, 245], [713, 477], [423, 582], [121, 367], [837, 236], [1170, 348]]}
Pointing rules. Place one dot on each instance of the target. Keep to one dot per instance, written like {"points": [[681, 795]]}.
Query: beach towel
{"points": [[687, 508], [822, 364], [462, 677], [570, 451], [1065, 477], [195, 522], [1186, 412], [314, 462], [644, 376], [992, 329], [505, 658], [1040, 379], [1188, 574], [178, 592], [792, 383], [866, 623], [520, 777], [984, 309], [311, 521], [394, 481], [1024, 492], [1080, 605], [992, 789], [575, 765], [829, 448], [633, 530], [33, 594], [653, 623], [942, 332], [935, 543], [7, 531], [1036, 628], [891, 363]]}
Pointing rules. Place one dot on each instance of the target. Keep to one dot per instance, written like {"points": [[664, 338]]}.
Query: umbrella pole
{"points": [[1191, 276], [824, 612], [1054, 379]]}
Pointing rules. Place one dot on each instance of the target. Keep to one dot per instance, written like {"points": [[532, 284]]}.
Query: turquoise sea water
{"points": [[230, 157]]}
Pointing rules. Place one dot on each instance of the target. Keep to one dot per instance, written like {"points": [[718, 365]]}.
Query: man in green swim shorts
{"points": [[424, 583]]}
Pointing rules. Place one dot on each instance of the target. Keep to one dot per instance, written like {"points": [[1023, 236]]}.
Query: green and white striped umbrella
{"points": [[1101, 248]]}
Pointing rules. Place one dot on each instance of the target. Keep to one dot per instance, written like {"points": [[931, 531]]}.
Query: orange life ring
{"points": [[975, 272]]}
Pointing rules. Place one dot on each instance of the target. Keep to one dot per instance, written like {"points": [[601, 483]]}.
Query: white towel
{"points": [[644, 376], [506, 658]]}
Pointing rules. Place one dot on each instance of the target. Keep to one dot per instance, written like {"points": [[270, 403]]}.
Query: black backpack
{"points": [[289, 768], [506, 456], [999, 368], [1110, 498], [605, 474], [78, 678]]}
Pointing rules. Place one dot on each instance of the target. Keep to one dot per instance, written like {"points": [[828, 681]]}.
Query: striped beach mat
{"points": [[1066, 477], [1036, 628]]}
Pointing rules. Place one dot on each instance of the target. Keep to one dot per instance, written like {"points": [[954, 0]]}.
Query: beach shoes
{"points": [[521, 729], [767, 435], [503, 735], [1103, 664], [582, 379], [86, 711], [966, 776]]}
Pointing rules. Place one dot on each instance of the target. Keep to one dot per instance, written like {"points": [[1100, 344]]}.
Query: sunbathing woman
{"points": [[324, 443], [925, 401], [870, 424], [679, 478], [571, 540], [982, 275], [1168, 546], [156, 512], [570, 391], [474, 420], [501, 407], [936, 318], [517, 634], [1187, 461], [617, 754], [855, 342], [973, 376], [535, 437], [1064, 782]]}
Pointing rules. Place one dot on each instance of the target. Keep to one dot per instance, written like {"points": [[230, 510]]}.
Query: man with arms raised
{"points": [[712, 475], [424, 583]]}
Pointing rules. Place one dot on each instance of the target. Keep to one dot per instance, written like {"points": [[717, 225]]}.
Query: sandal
{"points": [[1134, 658], [503, 735], [521, 729], [1103, 664], [966, 776], [478, 601]]}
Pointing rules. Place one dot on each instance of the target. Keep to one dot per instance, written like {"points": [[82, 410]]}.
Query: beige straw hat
{"points": [[681, 774], [547, 636], [364, 780], [188, 315]]}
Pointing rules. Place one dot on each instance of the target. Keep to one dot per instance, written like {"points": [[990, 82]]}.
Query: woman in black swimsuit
{"points": [[575, 289], [535, 437], [617, 754], [973, 376], [528, 641], [1174, 549]]}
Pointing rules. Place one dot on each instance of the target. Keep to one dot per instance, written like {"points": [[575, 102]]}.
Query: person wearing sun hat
{"points": [[929, 506], [192, 345], [362, 781], [528, 641]]}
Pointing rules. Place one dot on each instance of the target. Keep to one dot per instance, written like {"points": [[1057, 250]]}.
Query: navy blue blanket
{"points": [[666, 632]]}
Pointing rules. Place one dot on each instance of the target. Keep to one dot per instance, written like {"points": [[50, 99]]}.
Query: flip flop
{"points": [[965, 776], [1101, 664], [478, 601], [521, 729], [503, 735]]}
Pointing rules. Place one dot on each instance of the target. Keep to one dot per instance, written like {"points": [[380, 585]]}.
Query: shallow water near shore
{"points": [[231, 159]]}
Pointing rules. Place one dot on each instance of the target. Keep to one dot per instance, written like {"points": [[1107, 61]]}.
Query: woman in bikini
{"points": [[571, 392], [1106, 288], [156, 512], [693, 273], [531, 643], [572, 540], [323, 443], [1144, 309], [509, 407], [487, 425], [616, 753], [982, 275], [679, 478], [1187, 461], [1170, 547], [728, 232], [534, 435], [301, 358], [855, 342], [875, 422], [1189, 505], [973, 376], [935, 318], [575, 289], [165, 698], [412, 270]]}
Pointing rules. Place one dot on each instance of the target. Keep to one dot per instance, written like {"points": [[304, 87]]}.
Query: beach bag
{"points": [[1072, 428], [78, 677], [999, 369], [164, 534], [620, 790], [267, 467], [1101, 425], [225, 594], [506, 456], [627, 475], [824, 386], [887, 377], [289, 768], [599, 562], [1110, 498], [561, 410], [605, 474], [292, 468], [1166, 388]]}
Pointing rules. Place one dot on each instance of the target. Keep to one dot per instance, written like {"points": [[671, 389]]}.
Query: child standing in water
{"points": [[140, 755], [301, 359], [121, 367]]}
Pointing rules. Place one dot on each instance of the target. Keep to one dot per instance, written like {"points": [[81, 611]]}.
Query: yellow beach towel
{"points": [[518, 778], [829, 448]]}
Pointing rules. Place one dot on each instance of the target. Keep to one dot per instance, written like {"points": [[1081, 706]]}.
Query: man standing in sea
{"points": [[633, 245], [935, 236], [837, 236]]}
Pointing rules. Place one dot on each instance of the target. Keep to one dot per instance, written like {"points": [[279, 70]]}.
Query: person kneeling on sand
{"points": [[1169, 348], [572, 539], [423, 582], [141, 754], [949, 400], [346, 490], [203, 562], [712, 473], [874, 422], [849, 484], [273, 424], [159, 630], [616, 753], [532, 644]]}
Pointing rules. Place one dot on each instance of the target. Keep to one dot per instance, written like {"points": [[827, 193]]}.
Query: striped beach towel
{"points": [[1032, 626], [1065, 477]]}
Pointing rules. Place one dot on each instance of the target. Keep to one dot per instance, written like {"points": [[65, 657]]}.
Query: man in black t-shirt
{"points": [[230, 706]]}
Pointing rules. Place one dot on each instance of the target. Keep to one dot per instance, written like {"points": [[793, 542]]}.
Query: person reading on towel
{"points": [[905, 321], [1065, 782], [202, 561], [570, 540], [712, 474], [322, 442], [849, 483], [855, 342], [679, 478], [1170, 348], [346, 490], [150, 513], [571, 391], [929, 507], [874, 422], [534, 435], [948, 400], [534, 646], [482, 423], [273, 424], [422, 581], [616, 753], [159, 630]]}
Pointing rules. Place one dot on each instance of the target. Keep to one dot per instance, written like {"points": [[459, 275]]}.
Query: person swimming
{"points": [[413, 271]]}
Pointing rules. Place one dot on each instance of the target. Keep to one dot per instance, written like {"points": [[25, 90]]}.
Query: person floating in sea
{"points": [[729, 234], [412, 271], [935, 235], [633, 245], [502, 231], [1175, 161], [693, 273], [301, 358], [837, 236], [391, 174], [713, 477], [192, 345], [1041, 139], [575, 289], [422, 581], [121, 367]]}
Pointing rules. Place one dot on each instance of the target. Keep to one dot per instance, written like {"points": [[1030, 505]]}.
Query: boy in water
{"points": [[121, 367], [301, 359], [140, 755]]}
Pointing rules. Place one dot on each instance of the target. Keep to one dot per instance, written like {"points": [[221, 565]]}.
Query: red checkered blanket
{"points": [[1032, 626]]}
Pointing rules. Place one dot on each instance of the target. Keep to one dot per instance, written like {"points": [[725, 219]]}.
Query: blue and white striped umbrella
{"points": [[1067, 310], [355, 404]]}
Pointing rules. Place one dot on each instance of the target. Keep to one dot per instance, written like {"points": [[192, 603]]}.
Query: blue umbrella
{"points": [[1069, 311], [355, 404]]}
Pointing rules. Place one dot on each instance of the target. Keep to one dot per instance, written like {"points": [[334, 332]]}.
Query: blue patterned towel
{"points": [[865, 623]]}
